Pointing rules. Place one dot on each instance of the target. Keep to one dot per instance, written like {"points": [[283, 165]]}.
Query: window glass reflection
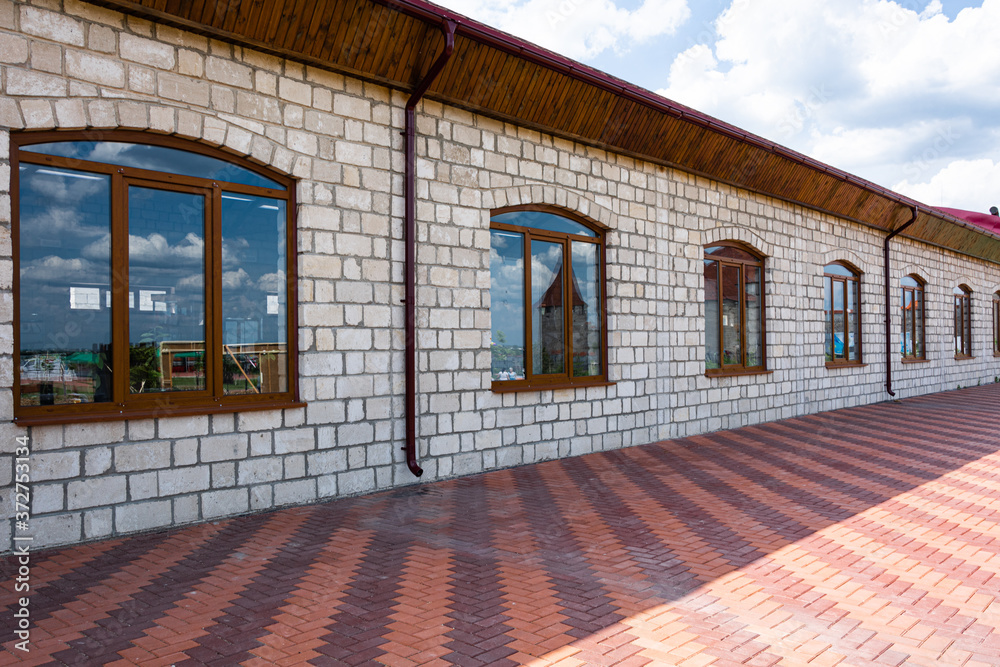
{"points": [[996, 323], [254, 295], [548, 332], [754, 316], [712, 359], [911, 302], [908, 311], [65, 286], [586, 310], [732, 348], [730, 252], [153, 158], [546, 221], [918, 316], [828, 316], [838, 270], [853, 321], [166, 282], [507, 305], [842, 317], [839, 320]]}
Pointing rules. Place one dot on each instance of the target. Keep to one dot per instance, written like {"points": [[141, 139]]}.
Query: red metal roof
{"points": [[984, 220]]}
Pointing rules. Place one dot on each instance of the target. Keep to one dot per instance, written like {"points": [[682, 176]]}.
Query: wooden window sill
{"points": [[722, 373], [845, 364], [914, 361], [963, 357], [507, 386], [117, 413]]}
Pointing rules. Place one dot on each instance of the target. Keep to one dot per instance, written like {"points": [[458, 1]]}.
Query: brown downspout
{"points": [[888, 302], [410, 241]]}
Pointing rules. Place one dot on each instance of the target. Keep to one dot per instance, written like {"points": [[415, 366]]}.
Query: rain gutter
{"points": [[888, 301], [410, 242]]}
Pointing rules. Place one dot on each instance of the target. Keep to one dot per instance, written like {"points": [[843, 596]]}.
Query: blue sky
{"points": [[905, 94]]}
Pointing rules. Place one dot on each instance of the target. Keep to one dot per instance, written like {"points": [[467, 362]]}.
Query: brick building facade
{"points": [[75, 66]]}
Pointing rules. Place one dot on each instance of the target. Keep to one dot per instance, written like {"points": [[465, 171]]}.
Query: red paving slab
{"points": [[867, 536]]}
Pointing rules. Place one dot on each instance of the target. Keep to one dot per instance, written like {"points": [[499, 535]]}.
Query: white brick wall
{"points": [[91, 68]]}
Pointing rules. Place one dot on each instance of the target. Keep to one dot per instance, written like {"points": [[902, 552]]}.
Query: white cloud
{"points": [[235, 279], [973, 185], [65, 224], [884, 90], [578, 29], [272, 282], [63, 186], [55, 270], [194, 282], [155, 250]]}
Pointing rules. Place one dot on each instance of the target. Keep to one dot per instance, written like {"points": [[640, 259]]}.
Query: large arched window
{"points": [[546, 300], [912, 308], [152, 277], [842, 314], [963, 322], [734, 310]]}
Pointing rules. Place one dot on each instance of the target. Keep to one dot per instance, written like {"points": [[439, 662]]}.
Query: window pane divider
{"points": [[119, 288]]}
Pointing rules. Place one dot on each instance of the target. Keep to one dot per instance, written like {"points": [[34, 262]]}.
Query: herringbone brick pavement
{"points": [[868, 536]]}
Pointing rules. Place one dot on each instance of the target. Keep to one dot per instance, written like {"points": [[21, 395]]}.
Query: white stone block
{"points": [[356, 482], [295, 493], [33, 84], [297, 440], [54, 465], [143, 516], [142, 456], [228, 447], [55, 530], [228, 502], [95, 492], [182, 427], [50, 25], [176, 481], [257, 471], [147, 51]]}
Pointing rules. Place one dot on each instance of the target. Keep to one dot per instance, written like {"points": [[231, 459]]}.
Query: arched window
{"points": [[912, 308], [151, 278], [734, 310], [963, 322], [842, 314], [996, 323], [546, 300]]}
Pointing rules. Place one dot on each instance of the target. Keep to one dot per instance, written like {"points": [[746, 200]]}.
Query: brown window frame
{"points": [[963, 322], [758, 262], [532, 381], [996, 324], [845, 282], [124, 404], [920, 289]]}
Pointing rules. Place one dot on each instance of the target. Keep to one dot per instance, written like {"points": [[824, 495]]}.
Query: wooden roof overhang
{"points": [[395, 42]]}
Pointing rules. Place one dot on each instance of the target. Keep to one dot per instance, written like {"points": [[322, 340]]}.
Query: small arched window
{"points": [[963, 322], [842, 314], [151, 278], [912, 309], [734, 309], [546, 300]]}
